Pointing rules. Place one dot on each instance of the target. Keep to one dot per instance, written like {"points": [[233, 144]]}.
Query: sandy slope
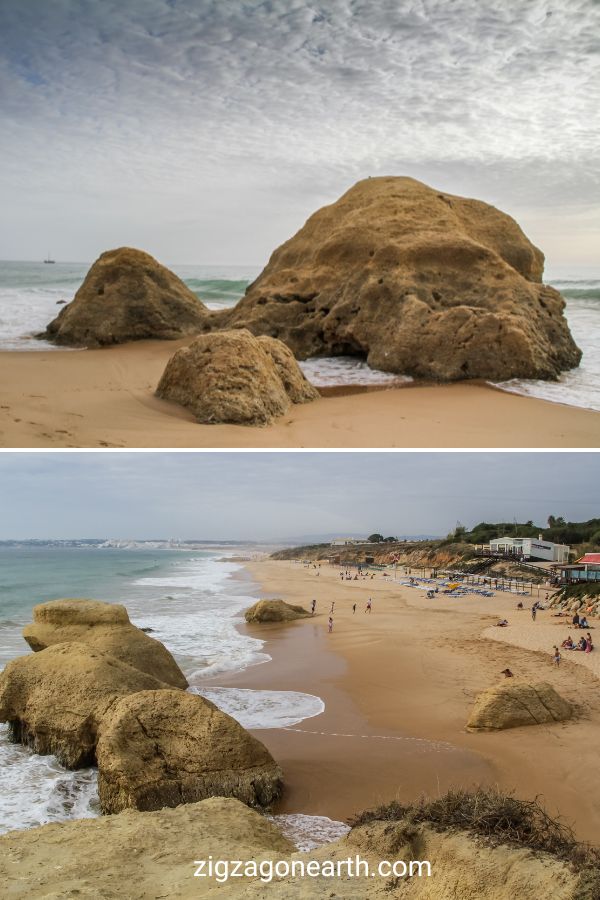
{"points": [[105, 398]]}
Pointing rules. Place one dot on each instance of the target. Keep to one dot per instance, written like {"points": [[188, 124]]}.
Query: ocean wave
{"points": [[264, 709]]}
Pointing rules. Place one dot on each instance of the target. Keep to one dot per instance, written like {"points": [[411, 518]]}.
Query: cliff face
{"points": [[406, 553], [417, 282]]}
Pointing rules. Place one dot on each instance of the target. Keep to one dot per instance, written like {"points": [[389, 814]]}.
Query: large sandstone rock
{"points": [[127, 296], [163, 748], [232, 376], [417, 281], [54, 700], [515, 704], [274, 611], [106, 627]]}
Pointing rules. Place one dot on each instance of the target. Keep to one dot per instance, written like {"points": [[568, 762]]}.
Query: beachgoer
{"points": [[353, 608], [576, 620], [502, 623], [582, 644], [368, 606], [568, 644], [534, 611], [556, 657], [313, 606], [332, 605], [507, 673], [583, 622], [330, 625]]}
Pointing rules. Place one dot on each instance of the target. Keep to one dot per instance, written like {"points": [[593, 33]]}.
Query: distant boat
{"points": [[48, 260]]}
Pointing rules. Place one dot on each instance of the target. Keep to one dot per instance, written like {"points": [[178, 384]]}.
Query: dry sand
{"points": [[105, 398], [398, 685]]}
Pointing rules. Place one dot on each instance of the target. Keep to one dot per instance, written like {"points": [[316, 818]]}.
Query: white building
{"points": [[530, 548], [345, 542]]}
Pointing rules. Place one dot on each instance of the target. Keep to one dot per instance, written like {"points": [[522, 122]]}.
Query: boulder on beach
{"points": [[416, 281], [232, 376], [163, 748], [516, 704], [127, 296], [274, 611], [106, 627], [54, 700]]}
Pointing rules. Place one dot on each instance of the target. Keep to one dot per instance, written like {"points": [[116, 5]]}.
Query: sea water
{"points": [[31, 294], [192, 601]]}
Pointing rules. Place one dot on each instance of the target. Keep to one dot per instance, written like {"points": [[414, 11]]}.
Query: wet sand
{"points": [[105, 398], [398, 685]]}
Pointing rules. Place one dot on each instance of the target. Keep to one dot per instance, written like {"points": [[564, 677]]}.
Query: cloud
{"points": [[121, 112], [270, 496]]}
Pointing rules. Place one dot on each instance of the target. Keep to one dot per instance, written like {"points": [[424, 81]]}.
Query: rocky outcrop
{"points": [[416, 281], [127, 296], [106, 627], [516, 704], [163, 748], [232, 376], [54, 700], [274, 611], [142, 855]]}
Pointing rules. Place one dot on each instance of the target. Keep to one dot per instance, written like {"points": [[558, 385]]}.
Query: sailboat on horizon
{"points": [[48, 260]]}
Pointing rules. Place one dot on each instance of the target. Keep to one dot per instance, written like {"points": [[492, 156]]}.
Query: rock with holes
{"points": [[416, 281], [106, 627], [127, 296], [518, 703], [163, 748], [54, 700], [232, 376]]}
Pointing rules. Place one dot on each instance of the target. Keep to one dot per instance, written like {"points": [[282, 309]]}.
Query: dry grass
{"points": [[498, 818]]}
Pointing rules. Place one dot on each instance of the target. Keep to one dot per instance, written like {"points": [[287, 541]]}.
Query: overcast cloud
{"points": [[274, 496], [208, 130]]}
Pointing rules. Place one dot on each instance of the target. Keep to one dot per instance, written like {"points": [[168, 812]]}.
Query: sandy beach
{"points": [[105, 398], [398, 685]]}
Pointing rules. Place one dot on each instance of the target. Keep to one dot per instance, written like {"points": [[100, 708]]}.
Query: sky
{"points": [[277, 496], [207, 131]]}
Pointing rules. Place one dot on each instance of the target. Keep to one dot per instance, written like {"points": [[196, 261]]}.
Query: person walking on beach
{"points": [[330, 624], [332, 605], [313, 606], [368, 606], [556, 657], [353, 608], [534, 611]]}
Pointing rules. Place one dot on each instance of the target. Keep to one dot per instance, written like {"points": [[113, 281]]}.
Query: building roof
{"points": [[593, 558]]}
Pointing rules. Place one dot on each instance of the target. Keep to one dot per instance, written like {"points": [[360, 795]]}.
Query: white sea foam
{"points": [[334, 371], [35, 790], [264, 709], [309, 832]]}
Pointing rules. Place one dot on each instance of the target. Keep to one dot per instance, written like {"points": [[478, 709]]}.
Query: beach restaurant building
{"points": [[530, 548], [585, 569]]}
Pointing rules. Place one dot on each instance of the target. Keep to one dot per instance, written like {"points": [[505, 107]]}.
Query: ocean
{"points": [[192, 601], [30, 292]]}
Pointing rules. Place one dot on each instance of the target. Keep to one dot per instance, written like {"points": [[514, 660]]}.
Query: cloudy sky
{"points": [[271, 496], [206, 131]]}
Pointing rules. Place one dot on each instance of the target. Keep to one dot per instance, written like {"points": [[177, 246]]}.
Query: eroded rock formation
{"points": [[163, 748], [232, 376], [106, 627], [274, 611], [127, 296], [54, 700], [515, 704], [415, 280]]}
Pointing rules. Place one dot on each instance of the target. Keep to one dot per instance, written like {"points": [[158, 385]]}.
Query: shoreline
{"points": [[409, 699], [105, 398]]}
